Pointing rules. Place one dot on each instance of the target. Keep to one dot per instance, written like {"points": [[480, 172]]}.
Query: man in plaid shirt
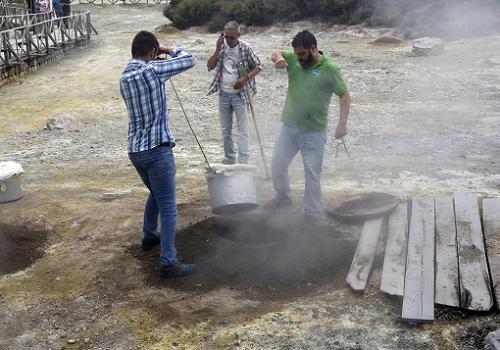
{"points": [[236, 66], [150, 142]]}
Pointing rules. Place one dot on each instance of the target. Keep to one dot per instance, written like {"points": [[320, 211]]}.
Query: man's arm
{"points": [[212, 61], [180, 62], [278, 60], [246, 78], [253, 61], [345, 103]]}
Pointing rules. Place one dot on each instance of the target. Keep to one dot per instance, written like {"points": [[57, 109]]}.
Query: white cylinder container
{"points": [[10, 181], [232, 188]]}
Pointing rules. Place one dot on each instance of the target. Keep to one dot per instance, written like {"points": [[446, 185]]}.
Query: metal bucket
{"points": [[10, 181], [10, 190], [232, 188]]}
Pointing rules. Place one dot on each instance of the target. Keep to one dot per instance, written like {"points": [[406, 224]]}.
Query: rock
{"points": [[63, 121], [71, 341], [492, 340], [387, 39], [199, 42], [427, 46]]}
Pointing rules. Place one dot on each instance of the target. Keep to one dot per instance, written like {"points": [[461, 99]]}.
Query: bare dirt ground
{"points": [[418, 126]]}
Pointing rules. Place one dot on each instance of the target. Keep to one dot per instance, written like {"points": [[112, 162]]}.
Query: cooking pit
{"points": [[20, 247], [266, 256]]}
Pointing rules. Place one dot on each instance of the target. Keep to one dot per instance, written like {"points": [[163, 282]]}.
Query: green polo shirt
{"points": [[309, 92]]}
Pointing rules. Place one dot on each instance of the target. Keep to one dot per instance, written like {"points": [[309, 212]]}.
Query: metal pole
{"points": [[249, 98]]}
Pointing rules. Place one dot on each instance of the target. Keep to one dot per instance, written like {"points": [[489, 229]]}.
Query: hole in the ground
{"points": [[265, 256], [251, 228], [20, 247]]}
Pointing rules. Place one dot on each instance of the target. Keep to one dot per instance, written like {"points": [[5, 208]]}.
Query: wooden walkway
{"points": [[443, 250]]}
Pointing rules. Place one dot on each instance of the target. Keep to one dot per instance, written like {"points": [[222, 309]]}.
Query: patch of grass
{"points": [[55, 277], [141, 323], [149, 332]]}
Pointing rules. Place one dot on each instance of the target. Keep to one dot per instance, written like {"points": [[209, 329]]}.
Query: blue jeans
{"points": [[156, 168], [229, 103], [312, 148]]}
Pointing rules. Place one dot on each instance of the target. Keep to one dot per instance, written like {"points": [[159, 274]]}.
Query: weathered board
{"points": [[491, 225], [393, 272], [447, 290], [418, 299], [475, 288], [363, 257]]}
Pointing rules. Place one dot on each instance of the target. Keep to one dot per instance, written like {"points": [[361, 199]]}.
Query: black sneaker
{"points": [[150, 243], [279, 203], [228, 161], [178, 269]]}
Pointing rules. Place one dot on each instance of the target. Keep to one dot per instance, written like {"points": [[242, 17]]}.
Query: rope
{"points": [[272, 99], [189, 123]]}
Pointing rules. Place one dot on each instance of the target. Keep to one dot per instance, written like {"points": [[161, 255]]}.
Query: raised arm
{"points": [[180, 62], [212, 61], [278, 60]]}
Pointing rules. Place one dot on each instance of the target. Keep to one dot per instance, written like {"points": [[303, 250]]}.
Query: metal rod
{"points": [[249, 98], [272, 100], [345, 148], [189, 123]]}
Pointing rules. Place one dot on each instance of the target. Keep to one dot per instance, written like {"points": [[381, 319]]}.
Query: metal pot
{"points": [[10, 190], [10, 181], [232, 188]]}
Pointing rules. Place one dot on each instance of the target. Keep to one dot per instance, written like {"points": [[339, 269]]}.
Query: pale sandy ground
{"points": [[418, 126]]}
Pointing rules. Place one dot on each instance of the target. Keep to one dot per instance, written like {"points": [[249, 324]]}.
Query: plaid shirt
{"points": [[142, 86], [249, 62]]}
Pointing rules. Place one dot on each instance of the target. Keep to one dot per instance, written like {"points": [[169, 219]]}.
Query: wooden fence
{"points": [[25, 37]]}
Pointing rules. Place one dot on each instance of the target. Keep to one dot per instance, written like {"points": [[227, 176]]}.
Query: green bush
{"points": [[186, 13], [215, 13]]}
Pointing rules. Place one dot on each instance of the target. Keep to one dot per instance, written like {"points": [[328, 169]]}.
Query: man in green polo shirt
{"points": [[312, 79]]}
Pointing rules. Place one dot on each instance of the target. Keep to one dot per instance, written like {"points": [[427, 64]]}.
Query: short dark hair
{"points": [[304, 39], [143, 42]]}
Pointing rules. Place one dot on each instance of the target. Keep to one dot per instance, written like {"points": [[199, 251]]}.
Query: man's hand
{"points": [[219, 43], [280, 64], [340, 131], [240, 82], [164, 49], [278, 60]]}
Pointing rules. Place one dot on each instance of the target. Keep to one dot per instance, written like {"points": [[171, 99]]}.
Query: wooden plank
{"points": [[393, 272], [363, 257], [447, 281], [491, 224], [475, 288], [418, 299]]}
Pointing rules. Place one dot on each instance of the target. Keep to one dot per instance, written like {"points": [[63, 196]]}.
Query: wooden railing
{"points": [[28, 36]]}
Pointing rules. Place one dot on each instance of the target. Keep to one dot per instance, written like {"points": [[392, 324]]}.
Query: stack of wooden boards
{"points": [[437, 250]]}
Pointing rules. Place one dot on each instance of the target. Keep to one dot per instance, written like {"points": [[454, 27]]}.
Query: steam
{"points": [[450, 19]]}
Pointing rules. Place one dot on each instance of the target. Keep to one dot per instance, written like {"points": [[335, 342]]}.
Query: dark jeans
{"points": [[157, 170]]}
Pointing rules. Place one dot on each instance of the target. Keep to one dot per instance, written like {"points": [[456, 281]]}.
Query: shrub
{"points": [[186, 13]]}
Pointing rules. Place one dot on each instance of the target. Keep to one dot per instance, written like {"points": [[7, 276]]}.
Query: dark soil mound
{"points": [[268, 257]]}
